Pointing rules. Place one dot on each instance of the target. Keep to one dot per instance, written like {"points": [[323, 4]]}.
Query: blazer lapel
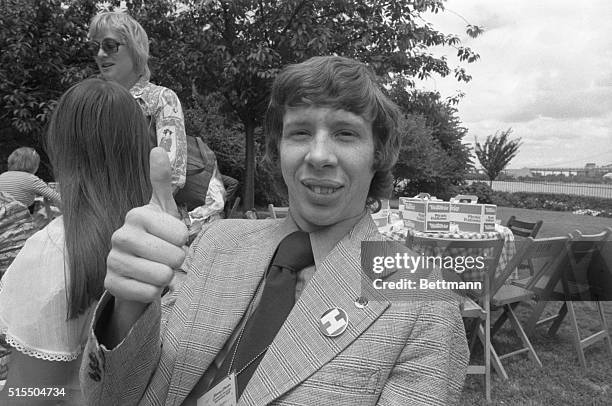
{"points": [[211, 319], [300, 348]]}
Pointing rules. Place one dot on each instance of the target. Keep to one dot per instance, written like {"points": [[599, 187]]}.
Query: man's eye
{"points": [[298, 134], [346, 134]]}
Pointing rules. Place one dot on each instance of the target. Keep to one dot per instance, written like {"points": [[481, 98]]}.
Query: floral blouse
{"points": [[163, 105]]}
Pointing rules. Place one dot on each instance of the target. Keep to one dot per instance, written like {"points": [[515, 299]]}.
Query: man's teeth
{"points": [[322, 190]]}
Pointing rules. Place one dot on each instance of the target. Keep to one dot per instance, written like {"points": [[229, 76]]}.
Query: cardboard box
{"points": [[425, 215], [475, 218]]}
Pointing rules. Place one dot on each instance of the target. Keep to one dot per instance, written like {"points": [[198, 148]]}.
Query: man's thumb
{"points": [[161, 182]]}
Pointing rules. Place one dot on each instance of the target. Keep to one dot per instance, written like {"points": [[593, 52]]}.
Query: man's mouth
{"points": [[106, 65], [322, 188]]}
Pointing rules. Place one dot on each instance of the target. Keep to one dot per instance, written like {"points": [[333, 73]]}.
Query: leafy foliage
{"points": [[497, 152], [42, 54], [554, 202], [237, 47], [432, 158], [480, 190], [232, 49]]}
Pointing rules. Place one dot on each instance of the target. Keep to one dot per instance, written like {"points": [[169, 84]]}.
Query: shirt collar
{"points": [[139, 87], [324, 240]]}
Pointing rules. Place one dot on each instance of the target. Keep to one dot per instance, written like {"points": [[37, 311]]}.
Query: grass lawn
{"points": [[556, 223], [561, 381]]}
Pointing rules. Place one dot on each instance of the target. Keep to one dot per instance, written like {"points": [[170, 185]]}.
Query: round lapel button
{"points": [[333, 322]]}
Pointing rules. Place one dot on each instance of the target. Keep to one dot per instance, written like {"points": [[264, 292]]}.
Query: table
{"points": [[396, 231]]}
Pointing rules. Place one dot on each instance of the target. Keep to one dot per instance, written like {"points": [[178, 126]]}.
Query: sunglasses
{"points": [[108, 45]]}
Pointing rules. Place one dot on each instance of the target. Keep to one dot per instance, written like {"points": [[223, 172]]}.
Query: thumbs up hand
{"points": [[161, 181], [148, 247]]}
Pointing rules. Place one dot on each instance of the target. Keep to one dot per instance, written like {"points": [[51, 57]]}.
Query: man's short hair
{"points": [[24, 159], [344, 84], [131, 33]]}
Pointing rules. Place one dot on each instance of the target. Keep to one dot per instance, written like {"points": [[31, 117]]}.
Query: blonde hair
{"points": [[130, 31]]}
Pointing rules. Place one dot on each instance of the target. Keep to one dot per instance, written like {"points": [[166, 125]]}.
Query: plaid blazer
{"points": [[392, 353]]}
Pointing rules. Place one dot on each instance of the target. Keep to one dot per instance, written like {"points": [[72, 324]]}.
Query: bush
{"points": [[479, 189], [555, 202]]}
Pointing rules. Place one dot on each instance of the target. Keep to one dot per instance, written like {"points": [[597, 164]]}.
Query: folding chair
{"points": [[524, 229], [490, 251], [547, 253], [278, 212], [570, 282]]}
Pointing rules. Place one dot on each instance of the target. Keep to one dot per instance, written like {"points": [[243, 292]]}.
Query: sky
{"points": [[545, 70]]}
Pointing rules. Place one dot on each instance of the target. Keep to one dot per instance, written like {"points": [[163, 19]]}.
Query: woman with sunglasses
{"points": [[121, 51], [97, 146]]}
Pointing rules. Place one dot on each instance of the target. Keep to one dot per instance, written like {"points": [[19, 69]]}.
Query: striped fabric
{"points": [[392, 353], [24, 187], [16, 226]]}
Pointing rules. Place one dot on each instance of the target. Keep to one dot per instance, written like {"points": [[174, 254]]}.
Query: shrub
{"points": [[479, 189], [557, 202]]}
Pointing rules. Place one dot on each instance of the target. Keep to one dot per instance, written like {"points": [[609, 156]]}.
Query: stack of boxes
{"points": [[439, 216], [381, 217]]}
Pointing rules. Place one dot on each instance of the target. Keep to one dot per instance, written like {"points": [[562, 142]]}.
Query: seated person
{"points": [[21, 183], [276, 311]]}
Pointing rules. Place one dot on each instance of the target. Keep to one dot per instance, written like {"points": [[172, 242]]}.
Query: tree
{"points": [[233, 48], [43, 53], [497, 152], [432, 158], [237, 48]]}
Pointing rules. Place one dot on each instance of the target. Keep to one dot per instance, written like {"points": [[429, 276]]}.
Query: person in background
{"points": [[277, 312], [121, 49], [97, 146], [21, 183]]}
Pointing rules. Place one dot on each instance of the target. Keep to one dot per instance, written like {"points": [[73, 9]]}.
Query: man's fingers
{"points": [[131, 289], [155, 222], [149, 247], [161, 182], [140, 269]]}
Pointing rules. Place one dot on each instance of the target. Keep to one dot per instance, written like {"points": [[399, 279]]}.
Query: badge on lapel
{"points": [[333, 322]]}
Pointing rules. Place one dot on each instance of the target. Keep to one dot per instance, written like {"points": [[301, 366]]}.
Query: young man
{"points": [[227, 335]]}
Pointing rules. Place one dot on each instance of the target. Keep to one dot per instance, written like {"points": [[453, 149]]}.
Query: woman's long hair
{"points": [[97, 142]]}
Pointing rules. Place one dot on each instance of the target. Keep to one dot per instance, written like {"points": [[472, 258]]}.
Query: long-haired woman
{"points": [[98, 148]]}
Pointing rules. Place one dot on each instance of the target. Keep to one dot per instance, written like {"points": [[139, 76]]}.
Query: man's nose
{"points": [[321, 152]]}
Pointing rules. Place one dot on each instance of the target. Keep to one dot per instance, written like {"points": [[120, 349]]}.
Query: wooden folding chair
{"points": [[524, 229], [479, 309], [545, 252], [278, 212], [570, 282]]}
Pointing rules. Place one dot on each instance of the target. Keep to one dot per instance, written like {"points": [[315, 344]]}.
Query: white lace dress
{"points": [[33, 300]]}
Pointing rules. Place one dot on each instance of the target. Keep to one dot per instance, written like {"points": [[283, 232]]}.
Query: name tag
{"points": [[222, 394]]}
